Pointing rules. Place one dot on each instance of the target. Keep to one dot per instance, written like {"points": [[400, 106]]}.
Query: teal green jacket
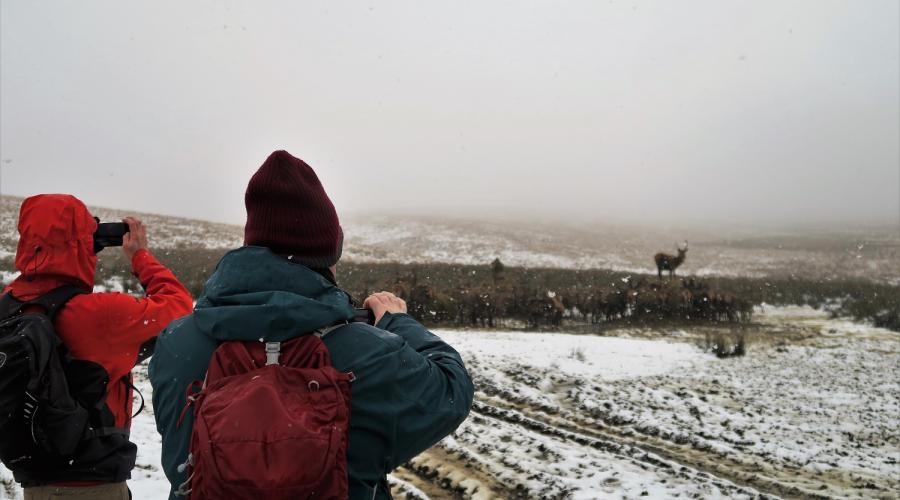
{"points": [[411, 388]]}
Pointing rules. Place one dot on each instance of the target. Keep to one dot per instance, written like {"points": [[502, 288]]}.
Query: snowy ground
{"points": [[812, 411]]}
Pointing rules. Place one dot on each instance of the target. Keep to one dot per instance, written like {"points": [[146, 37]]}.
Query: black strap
{"points": [[146, 350], [131, 387], [9, 306], [51, 301], [105, 431], [135, 389], [54, 300]]}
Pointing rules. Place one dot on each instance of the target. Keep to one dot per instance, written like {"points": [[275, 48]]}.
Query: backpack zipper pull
{"points": [[273, 351], [184, 489], [187, 463]]}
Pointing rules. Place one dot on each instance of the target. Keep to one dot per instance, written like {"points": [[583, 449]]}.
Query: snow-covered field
{"points": [[812, 411]]}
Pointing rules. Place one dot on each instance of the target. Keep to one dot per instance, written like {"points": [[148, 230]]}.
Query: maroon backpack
{"points": [[271, 421]]}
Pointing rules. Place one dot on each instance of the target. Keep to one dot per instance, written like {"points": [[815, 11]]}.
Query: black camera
{"points": [[109, 234]]}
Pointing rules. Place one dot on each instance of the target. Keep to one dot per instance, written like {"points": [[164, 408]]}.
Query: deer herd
{"points": [[642, 300]]}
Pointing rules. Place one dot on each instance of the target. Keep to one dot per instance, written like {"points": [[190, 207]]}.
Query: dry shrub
{"points": [[578, 354], [726, 344]]}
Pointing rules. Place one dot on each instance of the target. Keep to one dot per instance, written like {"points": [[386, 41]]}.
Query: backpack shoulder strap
{"points": [[54, 300], [9, 305], [321, 332]]}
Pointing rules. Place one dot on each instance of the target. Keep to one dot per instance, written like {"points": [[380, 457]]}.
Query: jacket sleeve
{"points": [[134, 320], [181, 357], [433, 382]]}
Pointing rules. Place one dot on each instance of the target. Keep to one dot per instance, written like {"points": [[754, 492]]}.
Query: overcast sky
{"points": [[758, 112]]}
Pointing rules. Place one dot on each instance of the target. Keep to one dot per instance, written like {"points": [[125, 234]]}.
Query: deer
{"points": [[666, 262]]}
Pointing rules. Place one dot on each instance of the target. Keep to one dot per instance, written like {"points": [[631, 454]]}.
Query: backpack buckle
{"points": [[273, 351]]}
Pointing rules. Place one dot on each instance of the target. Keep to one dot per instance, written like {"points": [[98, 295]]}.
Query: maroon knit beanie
{"points": [[289, 213]]}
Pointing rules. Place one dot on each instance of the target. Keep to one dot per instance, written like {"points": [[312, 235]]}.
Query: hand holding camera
{"points": [[135, 239], [384, 302], [130, 234]]}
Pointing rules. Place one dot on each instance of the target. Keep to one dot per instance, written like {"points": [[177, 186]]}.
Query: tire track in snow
{"points": [[620, 447], [449, 475], [752, 478]]}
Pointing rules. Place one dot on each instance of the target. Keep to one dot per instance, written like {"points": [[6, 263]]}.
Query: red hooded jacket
{"points": [[56, 248]]}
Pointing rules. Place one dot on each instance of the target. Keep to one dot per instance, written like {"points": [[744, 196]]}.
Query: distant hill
{"points": [[870, 254]]}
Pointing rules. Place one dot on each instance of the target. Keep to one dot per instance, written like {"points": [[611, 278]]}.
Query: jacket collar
{"points": [[255, 294]]}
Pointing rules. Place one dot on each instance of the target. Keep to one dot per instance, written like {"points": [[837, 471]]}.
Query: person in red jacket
{"points": [[103, 332]]}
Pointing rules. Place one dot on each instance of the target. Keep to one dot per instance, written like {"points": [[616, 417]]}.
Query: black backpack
{"points": [[39, 416]]}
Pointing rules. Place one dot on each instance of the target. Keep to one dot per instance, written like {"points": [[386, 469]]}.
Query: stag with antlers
{"points": [[666, 262]]}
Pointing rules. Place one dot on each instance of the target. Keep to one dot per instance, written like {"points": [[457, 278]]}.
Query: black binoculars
{"points": [[364, 316]]}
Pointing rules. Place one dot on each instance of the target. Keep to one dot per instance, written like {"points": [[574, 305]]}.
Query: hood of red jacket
{"points": [[56, 245]]}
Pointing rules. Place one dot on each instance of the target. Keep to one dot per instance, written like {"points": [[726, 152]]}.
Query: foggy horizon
{"points": [[711, 229], [626, 113]]}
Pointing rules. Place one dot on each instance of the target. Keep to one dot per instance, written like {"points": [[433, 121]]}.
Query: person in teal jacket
{"points": [[411, 388]]}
